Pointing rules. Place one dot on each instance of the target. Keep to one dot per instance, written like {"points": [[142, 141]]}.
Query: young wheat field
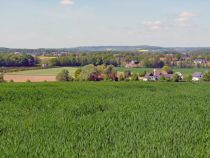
{"points": [[105, 119]]}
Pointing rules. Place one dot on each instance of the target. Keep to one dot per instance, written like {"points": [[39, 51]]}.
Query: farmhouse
{"points": [[132, 64], [197, 76]]}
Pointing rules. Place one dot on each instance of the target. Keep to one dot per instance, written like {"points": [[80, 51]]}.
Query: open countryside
{"points": [[105, 79]]}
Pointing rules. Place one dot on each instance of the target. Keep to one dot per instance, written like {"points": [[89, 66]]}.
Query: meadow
{"points": [[105, 119], [45, 72], [55, 71]]}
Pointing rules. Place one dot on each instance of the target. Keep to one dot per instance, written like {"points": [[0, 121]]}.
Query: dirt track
{"points": [[25, 78]]}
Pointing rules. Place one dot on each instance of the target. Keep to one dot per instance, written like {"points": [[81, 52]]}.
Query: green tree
{"points": [[134, 77], [1, 77], [121, 77], [176, 78], [77, 74], [64, 76], [87, 71], [188, 78], [127, 74], [168, 69], [206, 76], [162, 78]]}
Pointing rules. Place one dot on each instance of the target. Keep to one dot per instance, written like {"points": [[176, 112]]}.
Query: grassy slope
{"points": [[104, 119], [52, 71]]}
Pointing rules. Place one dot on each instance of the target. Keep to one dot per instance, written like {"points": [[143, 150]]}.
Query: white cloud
{"points": [[67, 2], [185, 17], [153, 25]]}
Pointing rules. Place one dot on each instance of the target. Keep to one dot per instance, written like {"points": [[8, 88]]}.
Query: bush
{"points": [[188, 78], [121, 77], [168, 69], [64, 76], [134, 77], [127, 74], [176, 78], [77, 74], [1, 77], [206, 76], [162, 78]]}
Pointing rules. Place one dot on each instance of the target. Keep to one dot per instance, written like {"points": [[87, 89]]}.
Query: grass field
{"points": [[105, 119], [45, 72], [185, 71], [55, 71]]}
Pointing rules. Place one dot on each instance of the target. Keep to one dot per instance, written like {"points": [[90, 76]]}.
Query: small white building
{"points": [[197, 76]]}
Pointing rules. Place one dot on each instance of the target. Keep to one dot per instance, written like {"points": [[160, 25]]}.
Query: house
{"points": [[197, 76], [132, 64], [200, 61], [149, 77], [168, 76]]}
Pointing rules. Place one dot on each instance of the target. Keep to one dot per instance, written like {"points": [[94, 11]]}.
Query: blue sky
{"points": [[69, 23]]}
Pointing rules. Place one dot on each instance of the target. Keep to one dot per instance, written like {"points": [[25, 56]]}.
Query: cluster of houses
{"points": [[158, 74]]}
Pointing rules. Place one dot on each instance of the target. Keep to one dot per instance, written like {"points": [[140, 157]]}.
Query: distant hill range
{"points": [[143, 48]]}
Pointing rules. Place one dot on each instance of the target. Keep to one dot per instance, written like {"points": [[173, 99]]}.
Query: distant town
{"points": [[116, 63]]}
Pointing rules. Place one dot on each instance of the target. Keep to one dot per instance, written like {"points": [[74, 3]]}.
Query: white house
{"points": [[197, 76]]}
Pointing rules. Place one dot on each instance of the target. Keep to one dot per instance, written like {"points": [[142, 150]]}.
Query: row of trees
{"points": [[17, 60], [90, 73]]}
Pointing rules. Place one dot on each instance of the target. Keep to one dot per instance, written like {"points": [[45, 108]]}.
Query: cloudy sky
{"points": [[69, 23]]}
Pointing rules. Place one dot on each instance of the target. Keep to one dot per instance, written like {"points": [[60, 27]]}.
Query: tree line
{"points": [[17, 60]]}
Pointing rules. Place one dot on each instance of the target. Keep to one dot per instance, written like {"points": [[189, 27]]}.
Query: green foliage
{"points": [[127, 74], [12, 60], [176, 78], [106, 119], [1, 77], [168, 69], [206, 76], [64, 76], [134, 77], [142, 74], [162, 78], [77, 74], [188, 78], [121, 77], [87, 71]]}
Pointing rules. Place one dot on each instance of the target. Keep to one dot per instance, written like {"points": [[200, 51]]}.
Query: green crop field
{"points": [[185, 71], [105, 119], [44, 72]]}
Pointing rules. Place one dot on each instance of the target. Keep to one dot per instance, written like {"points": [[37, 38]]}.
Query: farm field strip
{"points": [[105, 119], [45, 72]]}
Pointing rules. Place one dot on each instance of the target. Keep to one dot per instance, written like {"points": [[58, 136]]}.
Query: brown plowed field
{"points": [[24, 78]]}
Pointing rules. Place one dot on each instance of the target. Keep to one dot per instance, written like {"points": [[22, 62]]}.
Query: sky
{"points": [[71, 23]]}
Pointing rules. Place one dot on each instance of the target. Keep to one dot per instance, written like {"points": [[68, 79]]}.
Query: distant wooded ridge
{"points": [[143, 48]]}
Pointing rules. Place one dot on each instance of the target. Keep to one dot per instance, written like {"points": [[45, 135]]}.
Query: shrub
{"points": [[176, 78], [64, 76], [1, 77], [206, 76], [188, 78], [168, 69], [121, 77], [77, 74], [162, 78], [134, 77]]}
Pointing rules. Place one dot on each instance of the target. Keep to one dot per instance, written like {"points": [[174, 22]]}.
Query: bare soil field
{"points": [[25, 78]]}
